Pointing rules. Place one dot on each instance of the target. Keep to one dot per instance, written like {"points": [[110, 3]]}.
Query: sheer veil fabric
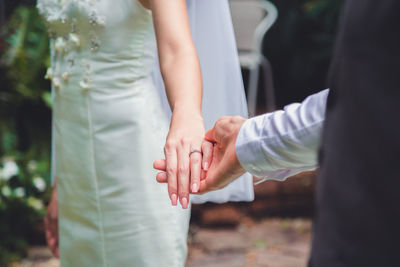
{"points": [[223, 92]]}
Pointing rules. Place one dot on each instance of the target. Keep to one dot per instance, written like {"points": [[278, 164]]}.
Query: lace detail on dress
{"points": [[61, 14]]}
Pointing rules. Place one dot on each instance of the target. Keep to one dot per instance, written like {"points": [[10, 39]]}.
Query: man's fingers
{"points": [[207, 148], [183, 174], [48, 233], [204, 187], [160, 165], [51, 231], [47, 230], [214, 134], [162, 177], [210, 135], [203, 175]]}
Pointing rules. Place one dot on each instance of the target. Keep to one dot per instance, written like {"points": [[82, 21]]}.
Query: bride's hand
{"points": [[207, 150], [183, 168]]}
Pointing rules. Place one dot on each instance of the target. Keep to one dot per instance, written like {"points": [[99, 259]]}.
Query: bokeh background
{"points": [[299, 48]]}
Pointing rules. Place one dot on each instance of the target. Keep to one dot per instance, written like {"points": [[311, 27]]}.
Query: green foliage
{"points": [[23, 191], [25, 123], [24, 117], [299, 46]]}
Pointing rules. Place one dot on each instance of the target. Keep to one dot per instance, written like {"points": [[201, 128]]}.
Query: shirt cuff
{"points": [[251, 156], [248, 148]]}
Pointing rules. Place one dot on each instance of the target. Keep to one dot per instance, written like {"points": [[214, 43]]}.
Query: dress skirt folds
{"points": [[109, 127]]}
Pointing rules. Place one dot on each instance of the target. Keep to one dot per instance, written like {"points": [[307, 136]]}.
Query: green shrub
{"points": [[25, 119]]}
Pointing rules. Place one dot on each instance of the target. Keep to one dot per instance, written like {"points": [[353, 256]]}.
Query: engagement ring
{"points": [[195, 151]]}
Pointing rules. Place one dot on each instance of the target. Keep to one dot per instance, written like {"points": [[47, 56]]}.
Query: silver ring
{"points": [[193, 150]]}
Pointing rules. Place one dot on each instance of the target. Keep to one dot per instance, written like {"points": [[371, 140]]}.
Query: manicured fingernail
{"points": [[184, 202], [195, 187], [174, 199], [205, 167]]}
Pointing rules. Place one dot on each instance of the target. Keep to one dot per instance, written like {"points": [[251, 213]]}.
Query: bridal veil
{"points": [[223, 92]]}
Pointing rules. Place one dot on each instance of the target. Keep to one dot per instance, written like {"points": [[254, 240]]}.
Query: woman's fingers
{"points": [[183, 173], [171, 172], [195, 171], [51, 231], [160, 165], [207, 148]]}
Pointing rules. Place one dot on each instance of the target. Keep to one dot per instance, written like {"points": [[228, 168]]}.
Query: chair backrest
{"points": [[251, 20]]}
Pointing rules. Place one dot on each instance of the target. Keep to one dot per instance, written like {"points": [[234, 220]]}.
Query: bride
{"points": [[110, 124]]}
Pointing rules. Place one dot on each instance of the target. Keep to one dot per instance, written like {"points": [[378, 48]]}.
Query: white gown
{"points": [[108, 129]]}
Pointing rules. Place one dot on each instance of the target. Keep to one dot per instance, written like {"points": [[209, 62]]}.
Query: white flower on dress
{"points": [[49, 74], [60, 45], [10, 169], [85, 83], [74, 39], [39, 183], [101, 21], [56, 82], [19, 192], [65, 76]]}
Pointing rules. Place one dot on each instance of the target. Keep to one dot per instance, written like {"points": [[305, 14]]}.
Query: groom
{"points": [[357, 219]]}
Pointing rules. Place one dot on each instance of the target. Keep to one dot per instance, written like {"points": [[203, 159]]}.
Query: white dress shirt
{"points": [[285, 142]]}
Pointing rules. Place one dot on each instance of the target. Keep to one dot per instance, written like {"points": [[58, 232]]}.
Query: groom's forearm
{"points": [[285, 142]]}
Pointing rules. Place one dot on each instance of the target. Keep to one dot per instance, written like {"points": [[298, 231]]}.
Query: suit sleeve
{"points": [[285, 142]]}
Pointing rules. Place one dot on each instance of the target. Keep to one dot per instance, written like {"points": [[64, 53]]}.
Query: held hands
{"points": [[182, 169], [225, 166]]}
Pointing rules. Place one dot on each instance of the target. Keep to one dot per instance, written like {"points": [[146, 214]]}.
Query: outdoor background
{"points": [[299, 47]]}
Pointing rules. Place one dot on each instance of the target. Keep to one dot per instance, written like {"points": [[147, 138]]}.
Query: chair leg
{"points": [[252, 90], [269, 84]]}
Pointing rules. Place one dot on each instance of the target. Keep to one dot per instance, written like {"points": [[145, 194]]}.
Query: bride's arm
{"points": [[180, 69]]}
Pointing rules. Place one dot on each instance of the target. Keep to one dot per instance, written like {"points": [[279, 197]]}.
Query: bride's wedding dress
{"points": [[109, 125]]}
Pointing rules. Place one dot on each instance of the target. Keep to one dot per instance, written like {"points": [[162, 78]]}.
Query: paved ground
{"points": [[264, 243]]}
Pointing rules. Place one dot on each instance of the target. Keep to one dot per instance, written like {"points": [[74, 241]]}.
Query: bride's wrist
{"points": [[187, 112], [186, 107]]}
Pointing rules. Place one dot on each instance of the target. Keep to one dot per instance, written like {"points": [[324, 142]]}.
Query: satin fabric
{"points": [[109, 127]]}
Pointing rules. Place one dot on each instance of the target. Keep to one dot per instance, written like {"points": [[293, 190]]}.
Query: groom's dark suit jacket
{"points": [[358, 201]]}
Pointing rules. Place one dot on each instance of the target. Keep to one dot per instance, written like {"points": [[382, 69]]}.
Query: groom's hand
{"points": [[225, 166]]}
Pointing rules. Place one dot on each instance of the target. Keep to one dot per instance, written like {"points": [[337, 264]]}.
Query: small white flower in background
{"points": [[10, 169], [35, 203], [6, 191], [32, 166], [39, 183], [19, 192]]}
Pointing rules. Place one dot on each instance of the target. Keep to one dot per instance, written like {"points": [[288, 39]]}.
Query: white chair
{"points": [[251, 20]]}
